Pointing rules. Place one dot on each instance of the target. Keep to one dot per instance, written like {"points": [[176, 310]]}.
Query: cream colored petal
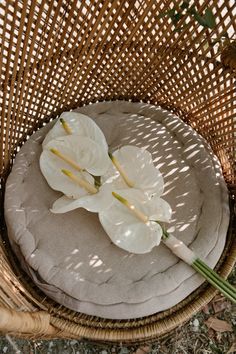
{"points": [[82, 150], [138, 166], [94, 203], [125, 229], [63, 204], [129, 233], [115, 180], [81, 125], [51, 167], [157, 209]]}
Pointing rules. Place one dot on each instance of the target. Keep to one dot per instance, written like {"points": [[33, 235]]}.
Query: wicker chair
{"points": [[58, 55]]}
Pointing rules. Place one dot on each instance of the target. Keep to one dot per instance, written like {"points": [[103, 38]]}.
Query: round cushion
{"points": [[71, 258]]}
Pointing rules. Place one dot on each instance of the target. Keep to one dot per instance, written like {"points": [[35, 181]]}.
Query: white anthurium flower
{"points": [[94, 202], [80, 152], [76, 124], [135, 230], [57, 180], [133, 167], [69, 157]]}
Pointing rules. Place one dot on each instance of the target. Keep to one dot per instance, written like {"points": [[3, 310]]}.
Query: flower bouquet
{"points": [[123, 187]]}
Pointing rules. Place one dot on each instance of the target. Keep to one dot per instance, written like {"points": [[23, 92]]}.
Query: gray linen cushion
{"points": [[71, 258]]}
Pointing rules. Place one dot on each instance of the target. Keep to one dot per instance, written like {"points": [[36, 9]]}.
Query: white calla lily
{"points": [[135, 230], [76, 124], [75, 150], [133, 167], [94, 202]]}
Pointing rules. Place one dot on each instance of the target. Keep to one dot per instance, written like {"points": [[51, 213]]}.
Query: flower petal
{"points": [[94, 203], [157, 209], [135, 237], [81, 125], [63, 205], [51, 167], [84, 151], [138, 166], [125, 229]]}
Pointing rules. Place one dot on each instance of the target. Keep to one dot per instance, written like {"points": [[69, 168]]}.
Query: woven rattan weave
{"points": [[58, 55]]}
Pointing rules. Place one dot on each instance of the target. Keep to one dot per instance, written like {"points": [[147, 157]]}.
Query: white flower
{"points": [[133, 167], [76, 124], [127, 229], [76, 154]]}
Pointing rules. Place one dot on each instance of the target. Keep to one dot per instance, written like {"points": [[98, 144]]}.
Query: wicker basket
{"points": [[60, 54]]}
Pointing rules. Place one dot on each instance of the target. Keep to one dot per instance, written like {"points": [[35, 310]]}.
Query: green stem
{"points": [[165, 234], [203, 264], [210, 277]]}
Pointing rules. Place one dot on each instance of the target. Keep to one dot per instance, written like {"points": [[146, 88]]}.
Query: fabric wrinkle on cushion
{"points": [[69, 275], [115, 311]]}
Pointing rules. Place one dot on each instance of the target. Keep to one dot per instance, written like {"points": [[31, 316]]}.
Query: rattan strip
{"points": [[49, 73], [49, 49], [93, 69], [2, 101], [117, 55], [1, 96], [46, 54], [39, 81], [90, 52], [193, 92], [76, 39], [7, 94], [187, 97], [190, 31], [114, 58], [24, 67], [229, 91], [26, 322], [15, 295], [156, 61], [68, 83], [145, 332]]}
